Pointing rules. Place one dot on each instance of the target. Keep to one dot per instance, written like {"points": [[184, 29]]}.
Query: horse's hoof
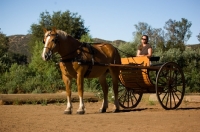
{"points": [[68, 112], [116, 111], [80, 112], [102, 110]]}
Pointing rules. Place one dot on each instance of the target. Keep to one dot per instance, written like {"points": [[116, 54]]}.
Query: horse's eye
{"points": [[43, 42]]}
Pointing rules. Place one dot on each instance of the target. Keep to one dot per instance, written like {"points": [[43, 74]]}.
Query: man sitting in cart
{"points": [[144, 49]]}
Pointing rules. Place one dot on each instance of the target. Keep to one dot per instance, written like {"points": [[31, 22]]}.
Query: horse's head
{"points": [[50, 43]]}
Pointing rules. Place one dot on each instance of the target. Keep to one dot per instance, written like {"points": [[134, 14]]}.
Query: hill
{"points": [[19, 43], [115, 42], [193, 46]]}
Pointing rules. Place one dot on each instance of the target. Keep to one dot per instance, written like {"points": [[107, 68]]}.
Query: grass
{"points": [[43, 102], [151, 102]]}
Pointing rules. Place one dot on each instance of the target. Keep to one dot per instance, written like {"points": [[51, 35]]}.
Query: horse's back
{"points": [[108, 52], [103, 54]]}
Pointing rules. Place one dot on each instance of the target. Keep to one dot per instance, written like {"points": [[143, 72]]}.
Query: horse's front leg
{"points": [[116, 101], [67, 81], [81, 109]]}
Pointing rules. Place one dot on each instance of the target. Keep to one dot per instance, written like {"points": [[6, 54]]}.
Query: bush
{"points": [[12, 81], [37, 77], [189, 61]]}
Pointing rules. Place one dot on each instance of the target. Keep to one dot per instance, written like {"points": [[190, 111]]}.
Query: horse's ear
{"points": [[54, 29], [44, 30]]}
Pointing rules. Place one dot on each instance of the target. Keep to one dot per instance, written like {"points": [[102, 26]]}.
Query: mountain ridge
{"points": [[19, 43]]}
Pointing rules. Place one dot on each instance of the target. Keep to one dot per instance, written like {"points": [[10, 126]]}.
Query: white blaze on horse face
{"points": [[44, 49]]}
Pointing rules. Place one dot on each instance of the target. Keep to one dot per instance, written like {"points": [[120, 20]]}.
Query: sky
{"points": [[106, 19]]}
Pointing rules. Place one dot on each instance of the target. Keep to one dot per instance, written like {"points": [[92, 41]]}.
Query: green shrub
{"points": [[189, 61], [12, 81]]}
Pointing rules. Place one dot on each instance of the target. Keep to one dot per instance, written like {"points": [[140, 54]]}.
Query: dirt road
{"points": [[147, 117]]}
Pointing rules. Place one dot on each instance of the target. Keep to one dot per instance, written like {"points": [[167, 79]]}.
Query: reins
{"points": [[75, 58], [79, 48]]}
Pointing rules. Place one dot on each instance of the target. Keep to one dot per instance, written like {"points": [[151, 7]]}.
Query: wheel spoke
{"points": [[167, 99], [174, 98], [164, 96], [171, 79], [129, 99], [132, 100]]}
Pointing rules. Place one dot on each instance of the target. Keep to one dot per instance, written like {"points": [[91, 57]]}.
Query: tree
{"points": [[86, 38], [156, 36], [47, 74], [4, 58], [198, 37], [72, 23], [178, 33], [128, 49], [17, 58], [3, 44]]}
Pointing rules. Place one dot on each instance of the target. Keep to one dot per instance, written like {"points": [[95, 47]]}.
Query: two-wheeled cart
{"points": [[138, 75]]}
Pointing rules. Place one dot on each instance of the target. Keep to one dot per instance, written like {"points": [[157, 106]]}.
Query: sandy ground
{"points": [[147, 116]]}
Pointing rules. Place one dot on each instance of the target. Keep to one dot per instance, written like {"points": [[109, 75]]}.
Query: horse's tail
{"points": [[117, 57]]}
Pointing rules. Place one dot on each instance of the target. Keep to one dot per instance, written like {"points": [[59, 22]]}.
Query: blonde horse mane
{"points": [[63, 34]]}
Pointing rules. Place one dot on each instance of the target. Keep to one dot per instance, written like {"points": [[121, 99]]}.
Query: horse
{"points": [[83, 60]]}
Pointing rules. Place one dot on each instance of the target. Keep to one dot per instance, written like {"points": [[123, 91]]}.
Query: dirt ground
{"points": [[147, 116]]}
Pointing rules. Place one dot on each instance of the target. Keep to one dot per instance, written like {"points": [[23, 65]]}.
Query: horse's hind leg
{"points": [[104, 85], [67, 82], [114, 71]]}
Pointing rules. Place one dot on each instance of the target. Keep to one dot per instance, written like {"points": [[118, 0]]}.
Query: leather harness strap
{"points": [[80, 61]]}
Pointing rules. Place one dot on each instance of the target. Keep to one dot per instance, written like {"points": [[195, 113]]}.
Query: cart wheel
{"points": [[170, 85], [128, 98]]}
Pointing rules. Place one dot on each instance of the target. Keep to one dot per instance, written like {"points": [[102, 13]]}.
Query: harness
{"points": [[79, 58]]}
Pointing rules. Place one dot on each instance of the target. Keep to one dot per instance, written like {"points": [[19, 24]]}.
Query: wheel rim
{"points": [[170, 86], [128, 98]]}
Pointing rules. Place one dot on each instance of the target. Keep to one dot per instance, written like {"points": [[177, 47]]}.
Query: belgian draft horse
{"points": [[81, 60]]}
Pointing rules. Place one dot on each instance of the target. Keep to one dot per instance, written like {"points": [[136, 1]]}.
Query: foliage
{"points": [[72, 23], [41, 77], [47, 72], [178, 32], [189, 61], [12, 82], [198, 37], [86, 38], [8, 58], [4, 59], [128, 49], [37, 77], [156, 37]]}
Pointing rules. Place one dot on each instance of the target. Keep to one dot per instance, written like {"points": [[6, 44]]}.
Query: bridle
{"points": [[64, 58], [55, 40]]}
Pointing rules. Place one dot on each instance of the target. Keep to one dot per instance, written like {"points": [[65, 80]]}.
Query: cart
{"points": [[140, 75]]}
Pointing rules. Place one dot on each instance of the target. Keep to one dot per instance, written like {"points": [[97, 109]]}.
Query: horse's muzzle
{"points": [[47, 56]]}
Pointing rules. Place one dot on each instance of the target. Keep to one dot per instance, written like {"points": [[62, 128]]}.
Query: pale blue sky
{"points": [[106, 19]]}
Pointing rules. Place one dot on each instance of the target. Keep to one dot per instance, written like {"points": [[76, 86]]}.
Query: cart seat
{"points": [[137, 79]]}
